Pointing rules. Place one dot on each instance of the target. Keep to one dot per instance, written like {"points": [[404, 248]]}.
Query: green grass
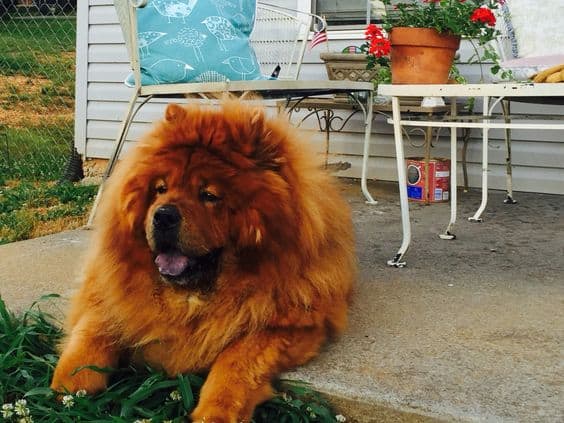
{"points": [[27, 207], [35, 47], [37, 59], [28, 358], [42, 50], [38, 152]]}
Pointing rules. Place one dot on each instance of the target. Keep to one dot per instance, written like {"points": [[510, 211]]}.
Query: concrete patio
{"points": [[471, 330]]}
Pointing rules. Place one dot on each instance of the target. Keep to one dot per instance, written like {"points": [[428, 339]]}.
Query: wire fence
{"points": [[37, 62], [37, 79]]}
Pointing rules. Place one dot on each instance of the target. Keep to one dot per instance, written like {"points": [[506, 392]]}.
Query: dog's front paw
{"points": [[210, 420], [212, 415], [66, 379]]}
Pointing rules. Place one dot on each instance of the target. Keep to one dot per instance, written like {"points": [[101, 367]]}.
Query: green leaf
{"points": [[40, 391], [186, 392]]}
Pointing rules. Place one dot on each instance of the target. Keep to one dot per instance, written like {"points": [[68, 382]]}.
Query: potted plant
{"points": [[424, 35], [349, 64]]}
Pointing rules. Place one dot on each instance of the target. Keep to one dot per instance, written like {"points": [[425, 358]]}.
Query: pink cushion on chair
{"points": [[523, 68]]}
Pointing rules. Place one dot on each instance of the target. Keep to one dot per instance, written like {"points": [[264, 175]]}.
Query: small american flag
{"points": [[318, 38]]}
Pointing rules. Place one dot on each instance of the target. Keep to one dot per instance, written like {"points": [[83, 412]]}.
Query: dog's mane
{"points": [[236, 133]]}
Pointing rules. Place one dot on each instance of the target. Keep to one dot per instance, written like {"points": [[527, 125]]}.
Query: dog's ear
{"points": [[174, 112], [123, 205], [133, 204]]}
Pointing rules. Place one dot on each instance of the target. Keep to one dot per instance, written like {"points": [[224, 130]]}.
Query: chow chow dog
{"points": [[220, 246]]}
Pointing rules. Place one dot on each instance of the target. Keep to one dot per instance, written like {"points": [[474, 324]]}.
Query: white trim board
{"points": [[81, 77]]}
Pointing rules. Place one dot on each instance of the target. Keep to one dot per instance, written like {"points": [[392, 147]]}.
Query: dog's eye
{"points": [[208, 197], [161, 189]]}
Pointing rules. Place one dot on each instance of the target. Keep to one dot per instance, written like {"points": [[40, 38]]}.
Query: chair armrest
{"points": [[138, 3]]}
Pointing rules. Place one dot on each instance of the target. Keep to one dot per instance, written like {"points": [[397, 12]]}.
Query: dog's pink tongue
{"points": [[172, 264]]}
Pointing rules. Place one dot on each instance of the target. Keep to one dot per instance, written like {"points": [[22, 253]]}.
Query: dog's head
{"points": [[209, 188]]}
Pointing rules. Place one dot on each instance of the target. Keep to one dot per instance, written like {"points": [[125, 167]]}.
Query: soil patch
{"points": [[24, 102]]}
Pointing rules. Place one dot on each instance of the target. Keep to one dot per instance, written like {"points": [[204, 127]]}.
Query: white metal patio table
{"points": [[491, 95]]}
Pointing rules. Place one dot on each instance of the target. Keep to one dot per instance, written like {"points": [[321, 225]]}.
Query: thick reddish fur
{"points": [[286, 271]]}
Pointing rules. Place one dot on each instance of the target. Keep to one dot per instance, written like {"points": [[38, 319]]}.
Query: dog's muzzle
{"points": [[166, 224], [176, 266]]}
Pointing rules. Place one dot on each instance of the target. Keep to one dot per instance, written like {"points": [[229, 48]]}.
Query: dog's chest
{"points": [[174, 356], [184, 335]]}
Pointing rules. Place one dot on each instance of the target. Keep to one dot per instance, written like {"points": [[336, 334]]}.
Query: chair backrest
{"points": [[279, 37], [506, 42]]}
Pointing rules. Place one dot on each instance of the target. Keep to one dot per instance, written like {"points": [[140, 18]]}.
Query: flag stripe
{"points": [[318, 38]]}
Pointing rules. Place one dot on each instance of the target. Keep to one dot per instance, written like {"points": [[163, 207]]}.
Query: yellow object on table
{"points": [[550, 75]]}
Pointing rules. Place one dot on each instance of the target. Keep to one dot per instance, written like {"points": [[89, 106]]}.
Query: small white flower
{"points": [[26, 419], [20, 408], [7, 410], [340, 418], [68, 401], [175, 396], [142, 421], [81, 393]]}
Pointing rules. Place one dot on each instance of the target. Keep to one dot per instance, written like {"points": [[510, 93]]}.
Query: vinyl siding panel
{"points": [[538, 156]]}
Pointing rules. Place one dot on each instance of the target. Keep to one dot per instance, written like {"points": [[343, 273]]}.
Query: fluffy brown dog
{"points": [[220, 246]]}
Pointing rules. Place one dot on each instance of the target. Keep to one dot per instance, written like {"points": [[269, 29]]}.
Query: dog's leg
{"points": [[240, 377], [88, 345]]}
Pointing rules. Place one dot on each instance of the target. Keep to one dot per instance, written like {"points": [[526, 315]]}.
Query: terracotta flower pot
{"points": [[421, 55]]}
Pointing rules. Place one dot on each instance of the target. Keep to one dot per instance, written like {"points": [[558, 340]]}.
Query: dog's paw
{"points": [[211, 419], [211, 415], [67, 381]]}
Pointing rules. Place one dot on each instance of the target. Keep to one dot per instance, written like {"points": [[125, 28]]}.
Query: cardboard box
{"points": [[438, 189]]}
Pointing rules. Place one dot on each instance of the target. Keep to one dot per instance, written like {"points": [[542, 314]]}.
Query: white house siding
{"points": [[538, 156]]}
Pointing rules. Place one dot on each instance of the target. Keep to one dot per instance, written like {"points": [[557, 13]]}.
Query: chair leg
{"points": [[120, 140], [506, 107]]}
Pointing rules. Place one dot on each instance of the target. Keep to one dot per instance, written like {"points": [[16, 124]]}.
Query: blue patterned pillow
{"points": [[196, 41]]}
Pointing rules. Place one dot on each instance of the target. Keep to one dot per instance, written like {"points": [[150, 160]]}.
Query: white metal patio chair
{"points": [[279, 39]]}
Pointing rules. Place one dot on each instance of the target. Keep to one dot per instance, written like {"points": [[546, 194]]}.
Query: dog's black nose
{"points": [[166, 217]]}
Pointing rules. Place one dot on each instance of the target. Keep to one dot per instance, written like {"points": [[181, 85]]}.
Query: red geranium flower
{"points": [[372, 30], [378, 44], [380, 47], [484, 15]]}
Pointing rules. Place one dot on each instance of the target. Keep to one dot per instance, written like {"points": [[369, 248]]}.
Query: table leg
{"points": [[426, 160], [453, 174], [485, 130], [505, 105], [465, 140], [327, 118], [367, 135], [402, 182]]}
